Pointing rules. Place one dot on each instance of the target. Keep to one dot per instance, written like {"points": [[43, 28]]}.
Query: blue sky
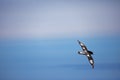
{"points": [[51, 19], [38, 39], [96, 23]]}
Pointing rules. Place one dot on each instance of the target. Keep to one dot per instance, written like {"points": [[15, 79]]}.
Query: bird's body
{"points": [[87, 53]]}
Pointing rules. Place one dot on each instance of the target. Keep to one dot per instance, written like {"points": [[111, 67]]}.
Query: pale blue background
{"points": [[38, 39], [58, 59]]}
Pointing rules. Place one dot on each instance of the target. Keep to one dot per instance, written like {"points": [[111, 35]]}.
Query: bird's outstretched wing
{"points": [[87, 53], [82, 46], [90, 59]]}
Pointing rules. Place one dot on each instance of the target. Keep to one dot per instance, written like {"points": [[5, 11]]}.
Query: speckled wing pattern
{"points": [[87, 53], [82, 46]]}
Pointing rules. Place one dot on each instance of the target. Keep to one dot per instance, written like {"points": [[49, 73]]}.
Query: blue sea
{"points": [[57, 59]]}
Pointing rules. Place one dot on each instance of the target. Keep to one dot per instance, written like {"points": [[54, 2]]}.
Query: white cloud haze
{"points": [[59, 18]]}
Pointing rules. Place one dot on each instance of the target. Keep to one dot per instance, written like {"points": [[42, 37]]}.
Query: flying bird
{"points": [[87, 53]]}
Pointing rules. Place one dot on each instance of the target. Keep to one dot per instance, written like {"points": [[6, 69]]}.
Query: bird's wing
{"points": [[82, 46], [91, 60]]}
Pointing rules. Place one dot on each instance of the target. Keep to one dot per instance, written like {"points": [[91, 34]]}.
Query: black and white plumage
{"points": [[87, 53]]}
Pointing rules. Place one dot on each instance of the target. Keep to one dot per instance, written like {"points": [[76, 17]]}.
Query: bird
{"points": [[87, 53]]}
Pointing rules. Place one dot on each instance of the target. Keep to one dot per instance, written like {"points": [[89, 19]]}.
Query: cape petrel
{"points": [[87, 53]]}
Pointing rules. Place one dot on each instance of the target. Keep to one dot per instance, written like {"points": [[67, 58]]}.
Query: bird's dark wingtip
{"points": [[92, 66], [78, 41]]}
